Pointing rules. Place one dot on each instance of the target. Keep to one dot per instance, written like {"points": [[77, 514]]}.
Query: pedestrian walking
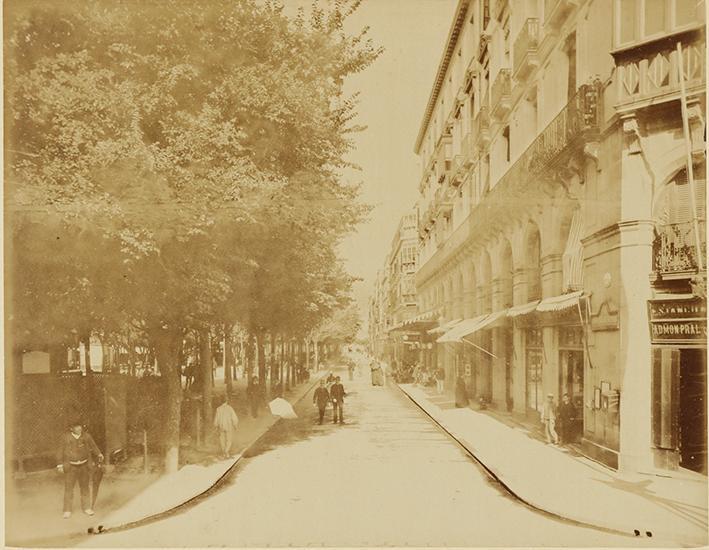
{"points": [[440, 378], [549, 420], [377, 375], [226, 422], [461, 393], [321, 398], [337, 395], [254, 395], [350, 371], [77, 450], [567, 416]]}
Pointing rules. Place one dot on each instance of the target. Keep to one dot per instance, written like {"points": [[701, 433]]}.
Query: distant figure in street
{"points": [[549, 420], [567, 415], [321, 398], [254, 395], [225, 421], [377, 375], [461, 393], [330, 378], [440, 378], [77, 450], [337, 394], [350, 371]]}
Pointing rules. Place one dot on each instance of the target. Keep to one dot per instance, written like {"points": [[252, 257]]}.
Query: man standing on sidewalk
{"points": [[440, 377], [567, 416], [321, 398], [77, 448], [549, 420], [226, 422], [337, 394], [254, 395]]}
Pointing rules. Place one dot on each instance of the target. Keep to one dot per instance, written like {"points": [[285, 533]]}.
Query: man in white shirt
{"points": [[226, 421]]}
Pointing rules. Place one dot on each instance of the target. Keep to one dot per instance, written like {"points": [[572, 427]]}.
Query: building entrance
{"points": [[693, 410]]}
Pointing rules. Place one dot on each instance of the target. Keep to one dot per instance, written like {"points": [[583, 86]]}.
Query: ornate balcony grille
{"points": [[575, 125], [481, 127], [674, 249], [653, 71], [525, 48]]}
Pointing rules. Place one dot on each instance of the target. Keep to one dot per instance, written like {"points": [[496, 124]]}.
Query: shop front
{"points": [[678, 331]]}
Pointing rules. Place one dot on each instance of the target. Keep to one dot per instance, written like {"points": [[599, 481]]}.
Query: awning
{"points": [[419, 322], [469, 326], [560, 303], [524, 309], [445, 327]]}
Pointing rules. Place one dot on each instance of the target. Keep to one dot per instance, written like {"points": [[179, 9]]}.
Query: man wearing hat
{"points": [[549, 419], [77, 448]]}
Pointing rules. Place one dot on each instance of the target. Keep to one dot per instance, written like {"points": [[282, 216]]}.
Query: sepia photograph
{"points": [[355, 274]]}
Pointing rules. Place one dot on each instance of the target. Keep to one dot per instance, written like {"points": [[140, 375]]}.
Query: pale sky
{"points": [[393, 95]]}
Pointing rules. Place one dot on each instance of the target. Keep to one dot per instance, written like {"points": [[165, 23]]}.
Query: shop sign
{"points": [[678, 321]]}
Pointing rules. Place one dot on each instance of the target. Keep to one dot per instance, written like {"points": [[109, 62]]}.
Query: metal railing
{"points": [[526, 42], [674, 249], [580, 116], [481, 125], [501, 88]]}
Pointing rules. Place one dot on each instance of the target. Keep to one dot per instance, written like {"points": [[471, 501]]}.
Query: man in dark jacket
{"points": [[254, 395], [77, 448], [567, 416], [337, 394], [321, 398]]}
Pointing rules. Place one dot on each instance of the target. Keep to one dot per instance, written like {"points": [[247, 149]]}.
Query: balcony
{"points": [[650, 75], [442, 203], [525, 49], [675, 251], [467, 151], [481, 128], [556, 12], [501, 100], [577, 124], [457, 171]]}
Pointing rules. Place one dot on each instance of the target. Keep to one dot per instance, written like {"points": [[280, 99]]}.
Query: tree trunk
{"points": [[167, 344], [261, 361], [317, 355], [274, 365], [228, 360], [87, 353], [205, 360]]}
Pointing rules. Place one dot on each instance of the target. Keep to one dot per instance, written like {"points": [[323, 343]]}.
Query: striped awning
{"points": [[572, 259], [524, 309], [560, 303], [470, 326], [444, 327]]}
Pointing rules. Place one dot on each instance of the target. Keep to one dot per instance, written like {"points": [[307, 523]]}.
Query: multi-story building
{"points": [[561, 217], [394, 299]]}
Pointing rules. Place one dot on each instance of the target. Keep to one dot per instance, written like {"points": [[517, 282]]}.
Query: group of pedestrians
{"points": [[330, 391], [562, 417]]}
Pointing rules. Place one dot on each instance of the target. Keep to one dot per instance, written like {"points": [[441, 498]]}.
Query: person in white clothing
{"points": [[225, 421]]}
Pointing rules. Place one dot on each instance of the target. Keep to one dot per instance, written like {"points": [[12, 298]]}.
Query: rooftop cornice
{"points": [[458, 21]]}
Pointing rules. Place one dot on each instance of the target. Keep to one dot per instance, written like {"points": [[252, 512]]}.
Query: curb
{"points": [[100, 529], [614, 529]]}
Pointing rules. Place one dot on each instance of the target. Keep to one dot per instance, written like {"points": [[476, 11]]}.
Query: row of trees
{"points": [[176, 168]]}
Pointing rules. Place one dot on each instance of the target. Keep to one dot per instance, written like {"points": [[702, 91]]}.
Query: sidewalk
{"points": [[127, 494], [553, 480]]}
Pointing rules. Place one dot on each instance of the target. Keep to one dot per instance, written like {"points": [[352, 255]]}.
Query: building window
{"points": [[534, 355], [506, 142], [638, 20]]}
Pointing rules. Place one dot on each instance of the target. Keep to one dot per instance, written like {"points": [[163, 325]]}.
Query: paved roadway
{"points": [[388, 477]]}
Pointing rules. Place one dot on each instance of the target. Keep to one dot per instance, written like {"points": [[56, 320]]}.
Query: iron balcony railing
{"points": [[481, 127], [501, 90], [526, 45], [674, 248], [578, 121]]}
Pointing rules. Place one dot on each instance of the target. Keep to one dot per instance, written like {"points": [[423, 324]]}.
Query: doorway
{"points": [[693, 410]]}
